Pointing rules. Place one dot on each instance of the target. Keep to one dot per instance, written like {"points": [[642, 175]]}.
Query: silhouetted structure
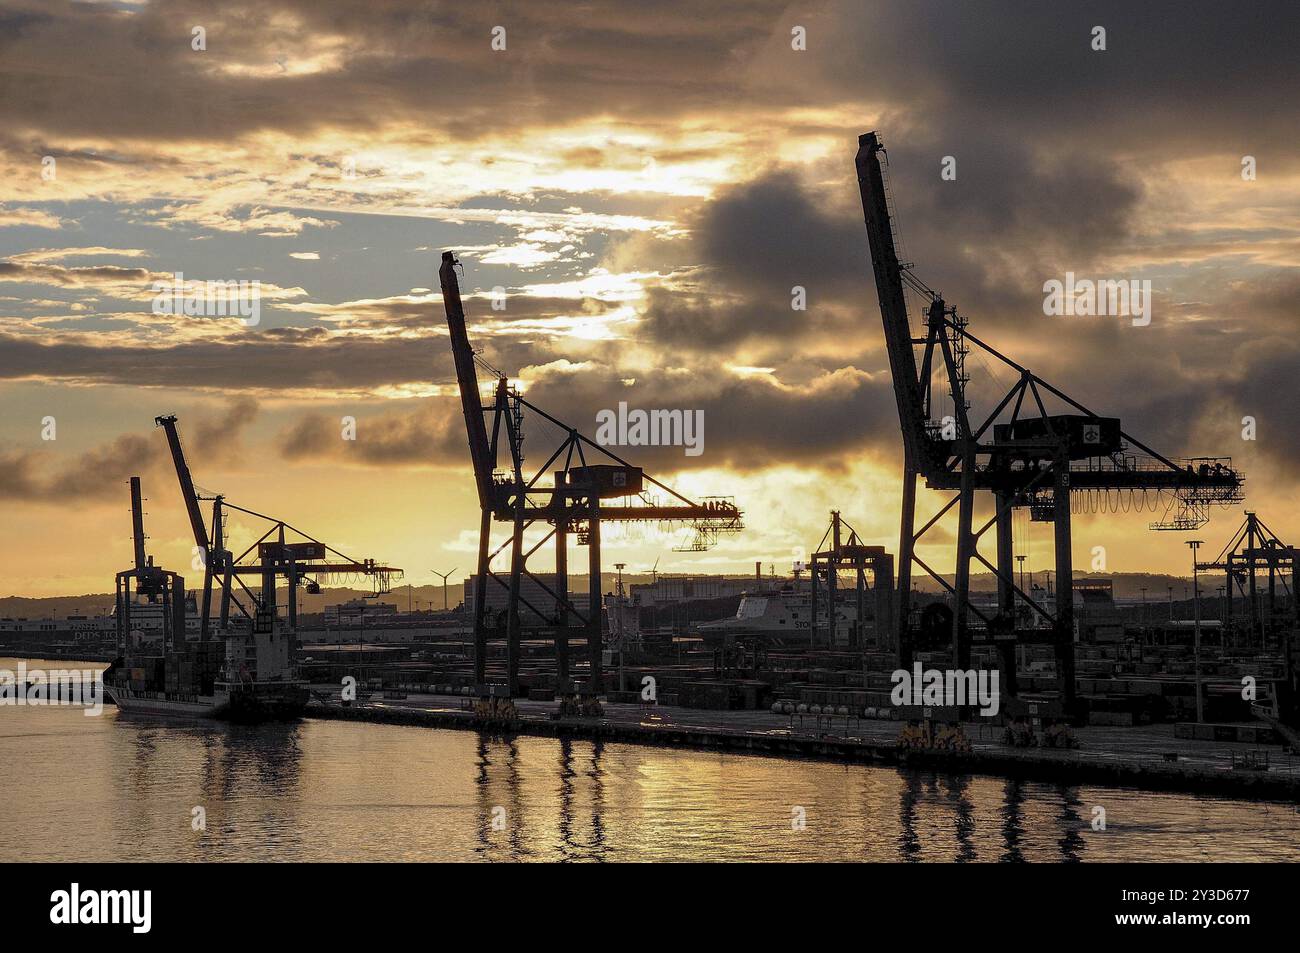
{"points": [[1034, 460], [572, 505]]}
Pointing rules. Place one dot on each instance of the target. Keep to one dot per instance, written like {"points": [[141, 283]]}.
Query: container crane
{"points": [[572, 504], [1033, 459], [144, 579], [1271, 610], [305, 560], [1253, 551]]}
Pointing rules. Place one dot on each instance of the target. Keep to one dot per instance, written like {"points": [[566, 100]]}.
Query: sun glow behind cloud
{"points": [[646, 189]]}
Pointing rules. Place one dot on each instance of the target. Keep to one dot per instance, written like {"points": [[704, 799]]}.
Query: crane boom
{"points": [[479, 449], [893, 306], [188, 493], [137, 523]]}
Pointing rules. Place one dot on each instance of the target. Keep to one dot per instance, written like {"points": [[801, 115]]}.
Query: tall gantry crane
{"points": [[304, 561], [1271, 609], [1273, 613], [153, 583], [572, 504], [1034, 459]]}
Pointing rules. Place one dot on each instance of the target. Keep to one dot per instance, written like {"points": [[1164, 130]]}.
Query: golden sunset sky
{"points": [[647, 181]]}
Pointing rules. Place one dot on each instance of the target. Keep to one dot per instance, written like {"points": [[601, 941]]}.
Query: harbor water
{"points": [[121, 786]]}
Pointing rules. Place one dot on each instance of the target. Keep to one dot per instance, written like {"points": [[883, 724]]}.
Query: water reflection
{"points": [[909, 844], [963, 817], [570, 779], [1012, 831], [123, 787], [1072, 842]]}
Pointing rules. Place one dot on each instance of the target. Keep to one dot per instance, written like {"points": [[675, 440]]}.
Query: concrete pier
{"points": [[1149, 757]]}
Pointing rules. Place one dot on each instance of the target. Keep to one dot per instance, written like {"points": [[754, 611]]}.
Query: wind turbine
{"points": [[444, 576]]}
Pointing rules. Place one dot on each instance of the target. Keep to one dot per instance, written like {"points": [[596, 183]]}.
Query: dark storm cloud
{"points": [[96, 70], [431, 435], [1186, 77], [767, 235], [219, 434], [713, 324], [750, 423], [49, 475], [45, 476], [277, 359]]}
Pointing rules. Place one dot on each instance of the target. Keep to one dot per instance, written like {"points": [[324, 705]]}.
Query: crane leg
{"points": [[1006, 594], [1064, 585], [561, 608], [512, 617], [594, 608], [480, 603], [906, 541]]}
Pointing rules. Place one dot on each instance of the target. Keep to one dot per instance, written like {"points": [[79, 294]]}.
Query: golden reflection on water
{"points": [[124, 787]]}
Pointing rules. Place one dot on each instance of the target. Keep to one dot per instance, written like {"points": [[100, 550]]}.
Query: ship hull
{"points": [[256, 703]]}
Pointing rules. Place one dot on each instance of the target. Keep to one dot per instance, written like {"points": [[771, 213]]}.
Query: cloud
{"points": [[427, 436], [49, 476], [28, 217]]}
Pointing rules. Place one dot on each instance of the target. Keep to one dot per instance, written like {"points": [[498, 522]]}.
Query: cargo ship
{"points": [[244, 677], [172, 660], [177, 655]]}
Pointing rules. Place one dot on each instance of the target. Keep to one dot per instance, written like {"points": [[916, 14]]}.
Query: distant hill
{"points": [[1128, 586], [101, 603]]}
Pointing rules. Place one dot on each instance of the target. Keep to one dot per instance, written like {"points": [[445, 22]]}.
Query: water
{"points": [[124, 786]]}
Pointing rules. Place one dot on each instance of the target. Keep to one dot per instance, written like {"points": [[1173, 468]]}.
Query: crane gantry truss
{"points": [[571, 504], [1032, 459], [305, 560]]}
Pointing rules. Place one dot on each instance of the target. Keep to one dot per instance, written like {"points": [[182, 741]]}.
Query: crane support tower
{"points": [[1020, 453], [301, 561], [573, 504]]}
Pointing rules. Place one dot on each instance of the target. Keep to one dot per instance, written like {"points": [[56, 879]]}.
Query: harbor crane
{"points": [[1030, 458], [302, 561], [1271, 608], [1253, 551], [824, 569], [573, 504], [144, 579]]}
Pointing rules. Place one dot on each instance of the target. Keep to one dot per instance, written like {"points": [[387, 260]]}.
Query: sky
{"points": [[646, 184]]}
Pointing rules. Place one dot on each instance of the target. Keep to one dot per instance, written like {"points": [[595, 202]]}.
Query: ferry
{"points": [[784, 615]]}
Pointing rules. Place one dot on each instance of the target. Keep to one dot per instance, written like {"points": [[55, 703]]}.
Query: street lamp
{"points": [[1194, 545]]}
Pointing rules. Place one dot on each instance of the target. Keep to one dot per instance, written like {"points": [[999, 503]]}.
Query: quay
{"points": [[1149, 757]]}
